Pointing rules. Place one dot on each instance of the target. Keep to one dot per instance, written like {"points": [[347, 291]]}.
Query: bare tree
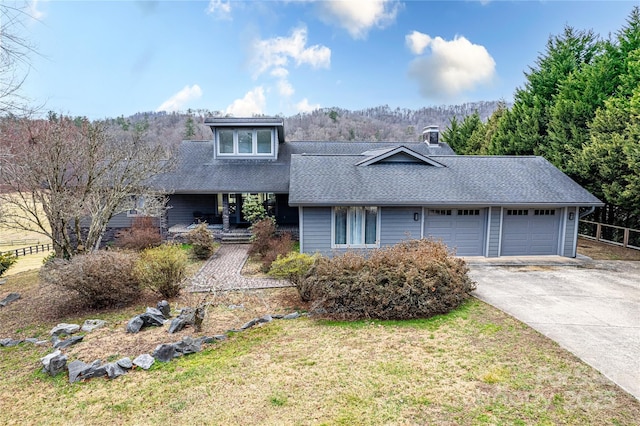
{"points": [[14, 57], [66, 178]]}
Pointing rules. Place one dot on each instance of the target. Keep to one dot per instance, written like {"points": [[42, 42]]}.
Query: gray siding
{"points": [[570, 237], [120, 221], [316, 229], [182, 207], [397, 224], [494, 232]]}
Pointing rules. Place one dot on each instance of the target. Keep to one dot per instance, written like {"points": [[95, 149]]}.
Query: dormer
{"points": [[246, 138], [396, 155]]}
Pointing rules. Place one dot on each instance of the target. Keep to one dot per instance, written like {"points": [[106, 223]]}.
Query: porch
{"points": [[235, 234], [223, 211]]}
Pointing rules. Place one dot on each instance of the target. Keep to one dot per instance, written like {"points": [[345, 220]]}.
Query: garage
{"points": [[460, 229], [530, 232]]}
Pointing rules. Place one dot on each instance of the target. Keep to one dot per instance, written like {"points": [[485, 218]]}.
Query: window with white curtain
{"points": [[355, 227]]}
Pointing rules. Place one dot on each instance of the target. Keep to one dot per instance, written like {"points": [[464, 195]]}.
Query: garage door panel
{"points": [[530, 232], [465, 233]]}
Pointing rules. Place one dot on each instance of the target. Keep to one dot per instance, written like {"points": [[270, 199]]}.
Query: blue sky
{"points": [[105, 59]]}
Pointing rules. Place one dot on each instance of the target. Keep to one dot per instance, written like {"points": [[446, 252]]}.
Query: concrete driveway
{"points": [[590, 308]]}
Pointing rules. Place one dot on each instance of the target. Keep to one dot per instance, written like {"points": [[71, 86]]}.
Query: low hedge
{"points": [[413, 279]]}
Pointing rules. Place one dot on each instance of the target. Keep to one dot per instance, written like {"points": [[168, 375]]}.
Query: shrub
{"points": [[252, 209], [143, 234], [103, 279], [277, 246], [162, 269], [413, 279], [6, 261], [266, 246], [262, 232], [293, 267], [202, 243]]}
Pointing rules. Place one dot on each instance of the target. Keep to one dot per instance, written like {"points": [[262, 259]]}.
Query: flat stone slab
{"points": [[92, 324], [64, 328], [144, 361], [11, 297]]}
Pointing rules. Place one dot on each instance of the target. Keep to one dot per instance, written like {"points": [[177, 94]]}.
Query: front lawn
{"points": [[475, 365]]}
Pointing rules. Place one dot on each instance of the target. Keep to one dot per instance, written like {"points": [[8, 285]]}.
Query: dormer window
{"points": [[245, 142]]}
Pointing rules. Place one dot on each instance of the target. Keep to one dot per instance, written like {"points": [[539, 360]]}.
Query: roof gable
{"points": [[400, 154]]}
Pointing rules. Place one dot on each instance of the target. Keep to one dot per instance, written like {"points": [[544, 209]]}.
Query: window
{"points": [[245, 142], [544, 212], [355, 226], [517, 212], [440, 212], [226, 141], [137, 204], [468, 212]]}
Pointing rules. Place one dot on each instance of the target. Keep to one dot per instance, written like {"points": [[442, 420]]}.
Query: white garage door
{"points": [[462, 229], [530, 231]]}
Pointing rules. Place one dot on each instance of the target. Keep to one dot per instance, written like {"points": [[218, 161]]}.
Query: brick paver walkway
{"points": [[222, 272]]}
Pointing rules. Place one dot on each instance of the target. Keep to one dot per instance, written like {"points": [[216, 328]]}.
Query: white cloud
{"points": [[304, 106], [453, 67], [276, 52], [359, 16], [253, 103], [33, 10], [180, 99], [417, 42], [220, 9], [285, 88]]}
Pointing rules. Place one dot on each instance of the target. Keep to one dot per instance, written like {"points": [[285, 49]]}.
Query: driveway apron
{"points": [[592, 310]]}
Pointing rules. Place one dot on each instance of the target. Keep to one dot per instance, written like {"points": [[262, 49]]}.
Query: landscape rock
{"points": [[75, 368], [165, 352], [291, 316], [114, 370], [249, 324], [186, 317], [79, 370], [135, 324], [64, 328], [213, 339], [188, 345], [263, 319], [144, 361], [92, 324], [164, 308], [54, 363], [235, 306], [11, 297], [153, 317], [125, 363], [31, 340], [61, 344], [9, 342]]}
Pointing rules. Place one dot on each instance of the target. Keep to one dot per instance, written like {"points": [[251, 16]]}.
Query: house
{"points": [[355, 195]]}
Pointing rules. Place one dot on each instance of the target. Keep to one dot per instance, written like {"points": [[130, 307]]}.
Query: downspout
{"points": [[588, 212]]}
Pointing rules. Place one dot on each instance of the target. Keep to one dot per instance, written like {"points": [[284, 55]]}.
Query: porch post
{"points": [[225, 212]]}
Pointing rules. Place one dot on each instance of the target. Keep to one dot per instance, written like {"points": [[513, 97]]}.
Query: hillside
{"points": [[379, 123]]}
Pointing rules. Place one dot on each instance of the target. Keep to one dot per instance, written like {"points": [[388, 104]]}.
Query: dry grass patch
{"points": [[475, 365], [602, 251]]}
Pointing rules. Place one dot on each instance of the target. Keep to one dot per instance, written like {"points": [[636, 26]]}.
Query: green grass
{"points": [[472, 366]]}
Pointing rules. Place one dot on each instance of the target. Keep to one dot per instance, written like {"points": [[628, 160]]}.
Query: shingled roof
{"points": [[197, 171], [464, 180]]}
